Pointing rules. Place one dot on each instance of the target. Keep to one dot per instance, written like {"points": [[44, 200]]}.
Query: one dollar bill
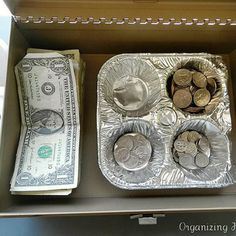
{"points": [[48, 152]]}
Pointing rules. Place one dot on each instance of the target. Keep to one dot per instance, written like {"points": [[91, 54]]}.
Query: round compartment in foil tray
{"points": [[130, 93], [131, 86], [201, 151], [195, 85], [131, 154]]}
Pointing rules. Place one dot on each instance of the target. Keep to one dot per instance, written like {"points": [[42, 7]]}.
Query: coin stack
{"points": [[192, 150], [191, 90], [132, 151]]}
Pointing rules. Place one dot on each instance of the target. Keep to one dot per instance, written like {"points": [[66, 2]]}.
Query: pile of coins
{"points": [[191, 90], [192, 150], [132, 151]]}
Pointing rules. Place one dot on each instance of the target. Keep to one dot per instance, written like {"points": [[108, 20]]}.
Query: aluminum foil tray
{"points": [[152, 113]]}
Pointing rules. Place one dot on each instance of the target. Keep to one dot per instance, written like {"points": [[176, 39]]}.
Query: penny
{"points": [[187, 161], [202, 160], [133, 157], [182, 77], [194, 109], [199, 79], [211, 86], [202, 97], [191, 149], [180, 145], [182, 98], [193, 136], [172, 88]]}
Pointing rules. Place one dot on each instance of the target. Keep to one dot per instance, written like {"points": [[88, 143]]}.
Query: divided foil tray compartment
{"points": [[161, 121]]}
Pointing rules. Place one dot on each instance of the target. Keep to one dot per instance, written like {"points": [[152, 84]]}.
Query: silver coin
{"points": [[194, 136], [180, 145], [203, 144], [130, 93], [202, 160], [208, 152], [191, 149], [121, 154], [175, 156], [125, 141], [139, 154], [187, 161], [184, 136]]}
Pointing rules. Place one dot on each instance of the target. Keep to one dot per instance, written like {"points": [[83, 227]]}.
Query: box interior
{"points": [[97, 43]]}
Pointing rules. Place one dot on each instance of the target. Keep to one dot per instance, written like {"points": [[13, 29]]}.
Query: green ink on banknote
{"points": [[45, 151]]}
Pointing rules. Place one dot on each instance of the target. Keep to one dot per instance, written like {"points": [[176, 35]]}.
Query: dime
{"points": [[184, 136], [175, 156], [193, 136], [191, 149], [199, 79], [180, 145], [203, 144], [202, 160], [182, 98], [187, 161], [202, 97], [132, 157], [182, 77], [211, 86]]}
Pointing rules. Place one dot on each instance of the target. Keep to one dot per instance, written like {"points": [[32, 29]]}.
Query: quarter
{"points": [[132, 157]]}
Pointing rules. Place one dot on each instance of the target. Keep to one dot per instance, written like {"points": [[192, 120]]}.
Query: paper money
{"points": [[48, 152]]}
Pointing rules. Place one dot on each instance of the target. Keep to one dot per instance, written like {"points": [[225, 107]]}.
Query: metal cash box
{"points": [[101, 30]]}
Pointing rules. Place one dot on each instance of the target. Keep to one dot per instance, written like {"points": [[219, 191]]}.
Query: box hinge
{"points": [[147, 219], [124, 21]]}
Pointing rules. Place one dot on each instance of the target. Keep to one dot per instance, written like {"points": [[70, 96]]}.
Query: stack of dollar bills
{"points": [[50, 88]]}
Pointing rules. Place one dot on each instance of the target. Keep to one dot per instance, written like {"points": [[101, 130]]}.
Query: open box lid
{"points": [[143, 10]]}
